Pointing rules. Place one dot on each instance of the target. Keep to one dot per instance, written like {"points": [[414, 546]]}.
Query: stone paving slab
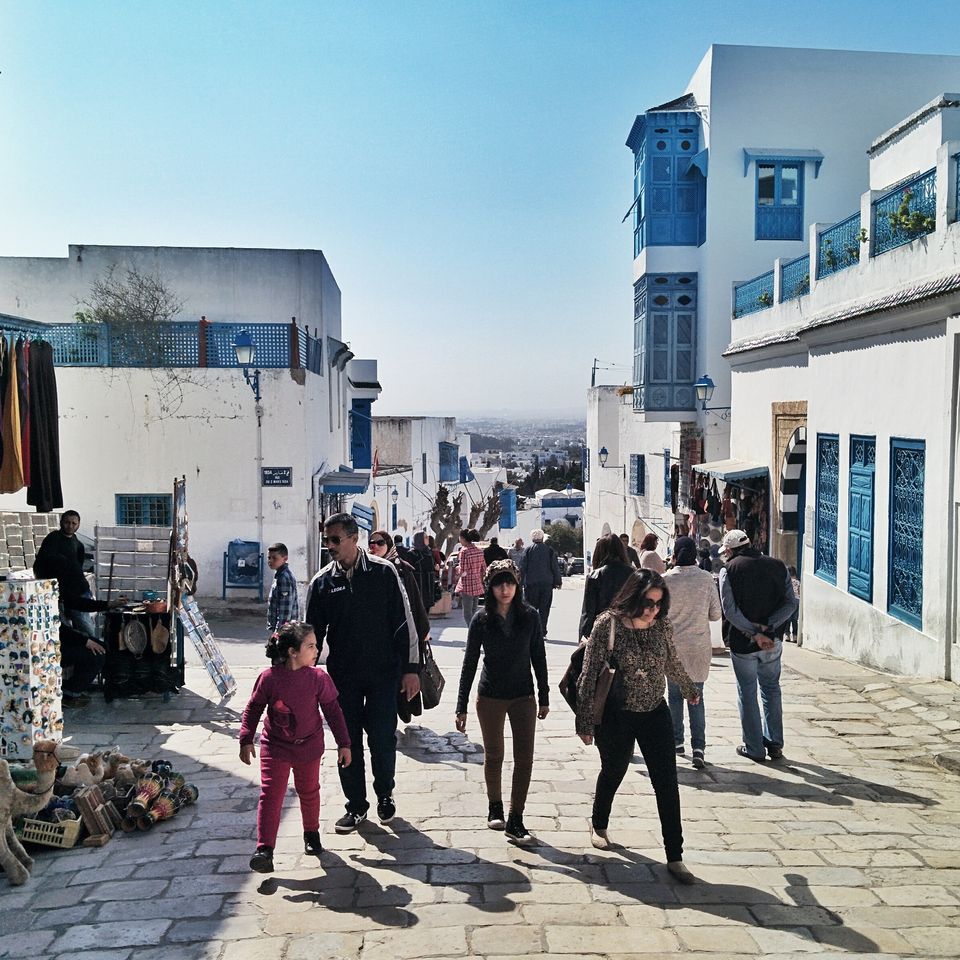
{"points": [[848, 848]]}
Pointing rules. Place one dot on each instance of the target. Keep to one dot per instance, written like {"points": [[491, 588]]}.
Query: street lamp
{"points": [[705, 387], [603, 455], [394, 497], [245, 350]]}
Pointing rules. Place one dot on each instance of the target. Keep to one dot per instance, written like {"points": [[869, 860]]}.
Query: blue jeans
{"points": [[752, 669], [698, 717], [83, 621]]}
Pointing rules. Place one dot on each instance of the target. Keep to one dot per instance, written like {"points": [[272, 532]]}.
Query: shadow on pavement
{"points": [[340, 887], [638, 878], [812, 784], [423, 744], [460, 870]]}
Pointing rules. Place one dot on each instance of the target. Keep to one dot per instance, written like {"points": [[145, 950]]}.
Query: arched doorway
{"points": [[792, 497]]}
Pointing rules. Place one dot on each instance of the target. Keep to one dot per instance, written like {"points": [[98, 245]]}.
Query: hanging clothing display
{"points": [[44, 491], [23, 385], [11, 468]]}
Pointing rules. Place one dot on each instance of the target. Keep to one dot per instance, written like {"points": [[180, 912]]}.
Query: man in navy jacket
{"points": [[357, 604]]}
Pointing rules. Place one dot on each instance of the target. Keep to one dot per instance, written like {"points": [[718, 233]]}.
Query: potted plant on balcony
{"points": [[908, 220]]}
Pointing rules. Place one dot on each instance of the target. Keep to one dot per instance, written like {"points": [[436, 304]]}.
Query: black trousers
{"points": [[652, 732], [370, 708], [85, 663], [540, 595]]}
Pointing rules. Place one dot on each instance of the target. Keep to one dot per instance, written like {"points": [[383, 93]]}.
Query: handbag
{"points": [[571, 677], [431, 680], [608, 673]]}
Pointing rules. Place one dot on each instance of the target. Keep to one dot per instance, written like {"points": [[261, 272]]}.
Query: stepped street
{"points": [[849, 847]]}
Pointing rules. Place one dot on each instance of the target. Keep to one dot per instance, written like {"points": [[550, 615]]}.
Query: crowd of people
{"points": [[644, 626]]}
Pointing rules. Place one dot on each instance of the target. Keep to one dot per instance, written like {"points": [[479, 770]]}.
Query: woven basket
{"points": [[64, 834]]}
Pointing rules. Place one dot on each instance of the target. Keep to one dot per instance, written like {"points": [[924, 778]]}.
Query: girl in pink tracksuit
{"points": [[297, 696]]}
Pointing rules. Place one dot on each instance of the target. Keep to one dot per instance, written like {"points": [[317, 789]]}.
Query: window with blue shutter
{"points": [[828, 498], [779, 201], [508, 508], [449, 462], [905, 563], [638, 470], [863, 463], [360, 433]]}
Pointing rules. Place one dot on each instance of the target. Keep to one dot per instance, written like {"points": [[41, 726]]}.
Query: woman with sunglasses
{"points": [[381, 545], [635, 713]]}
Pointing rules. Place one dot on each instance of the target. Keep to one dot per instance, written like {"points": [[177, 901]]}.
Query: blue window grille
{"points": [[585, 463], [449, 462], [753, 295], [638, 472], [666, 477], [144, 509], [779, 200], [664, 341], [795, 278], [828, 497], [838, 247], [905, 562], [904, 213], [361, 444], [863, 464]]}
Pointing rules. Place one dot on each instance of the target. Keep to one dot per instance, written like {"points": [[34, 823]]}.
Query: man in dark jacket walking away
{"points": [[357, 603], [758, 600], [494, 552], [541, 575]]}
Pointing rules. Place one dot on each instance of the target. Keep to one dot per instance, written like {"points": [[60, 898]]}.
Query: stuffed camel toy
{"points": [[16, 862]]}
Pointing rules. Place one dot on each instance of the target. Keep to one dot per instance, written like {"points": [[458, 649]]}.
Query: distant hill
{"points": [[485, 441]]}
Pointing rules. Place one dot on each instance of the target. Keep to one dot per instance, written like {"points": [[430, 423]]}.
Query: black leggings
{"points": [[653, 733]]}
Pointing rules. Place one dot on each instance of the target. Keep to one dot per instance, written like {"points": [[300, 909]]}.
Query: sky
{"points": [[461, 165]]}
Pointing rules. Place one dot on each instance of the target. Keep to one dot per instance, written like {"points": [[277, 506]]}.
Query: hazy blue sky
{"points": [[461, 165]]}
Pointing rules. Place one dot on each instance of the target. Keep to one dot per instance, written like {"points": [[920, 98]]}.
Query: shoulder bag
{"points": [[608, 673], [571, 677], [431, 679]]}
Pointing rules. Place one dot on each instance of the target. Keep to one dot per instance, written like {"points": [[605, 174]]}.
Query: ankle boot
{"points": [[311, 843]]}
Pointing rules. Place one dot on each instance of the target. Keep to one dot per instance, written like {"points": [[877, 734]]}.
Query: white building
{"points": [[129, 425], [561, 506], [846, 387], [727, 176]]}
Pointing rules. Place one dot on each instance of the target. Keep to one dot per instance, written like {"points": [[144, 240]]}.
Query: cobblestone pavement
{"points": [[850, 847]]}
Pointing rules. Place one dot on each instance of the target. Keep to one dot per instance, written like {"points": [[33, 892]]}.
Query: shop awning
{"points": [[732, 469], [344, 480]]}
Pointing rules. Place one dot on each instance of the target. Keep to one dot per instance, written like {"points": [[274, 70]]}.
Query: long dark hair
{"points": [[287, 638], [649, 542], [609, 549], [627, 604]]}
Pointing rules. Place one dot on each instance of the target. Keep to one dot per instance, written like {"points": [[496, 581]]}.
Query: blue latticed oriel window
{"points": [[144, 509], [863, 463], [449, 462], [779, 201], [828, 497], [905, 574], [666, 477], [638, 471]]}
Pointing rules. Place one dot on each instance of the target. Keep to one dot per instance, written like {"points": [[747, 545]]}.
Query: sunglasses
{"points": [[334, 541], [646, 604], [378, 543]]}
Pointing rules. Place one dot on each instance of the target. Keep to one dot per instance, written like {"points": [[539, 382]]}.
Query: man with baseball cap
{"points": [[757, 597]]}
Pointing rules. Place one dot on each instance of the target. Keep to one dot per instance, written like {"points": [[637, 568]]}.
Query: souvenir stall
{"points": [[729, 495], [30, 673]]}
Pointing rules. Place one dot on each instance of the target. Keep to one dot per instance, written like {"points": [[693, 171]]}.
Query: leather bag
{"points": [[571, 678], [608, 673], [431, 680]]}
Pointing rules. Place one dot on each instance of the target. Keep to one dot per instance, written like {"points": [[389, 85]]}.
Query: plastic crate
{"points": [[64, 834]]}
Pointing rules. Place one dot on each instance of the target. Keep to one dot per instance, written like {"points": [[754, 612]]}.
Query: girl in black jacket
{"points": [[509, 632], [611, 567]]}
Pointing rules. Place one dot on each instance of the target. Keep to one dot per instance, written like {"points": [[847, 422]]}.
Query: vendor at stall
{"points": [[80, 651], [61, 557]]}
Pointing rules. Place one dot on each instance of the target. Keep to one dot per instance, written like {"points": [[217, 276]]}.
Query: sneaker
{"points": [[349, 822], [262, 860], [311, 843], [386, 809], [517, 833], [678, 870], [698, 760], [775, 752], [495, 819], [742, 752], [680, 749], [599, 838]]}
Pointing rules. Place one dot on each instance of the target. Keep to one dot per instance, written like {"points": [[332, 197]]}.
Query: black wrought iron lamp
{"points": [[705, 387], [245, 350]]}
